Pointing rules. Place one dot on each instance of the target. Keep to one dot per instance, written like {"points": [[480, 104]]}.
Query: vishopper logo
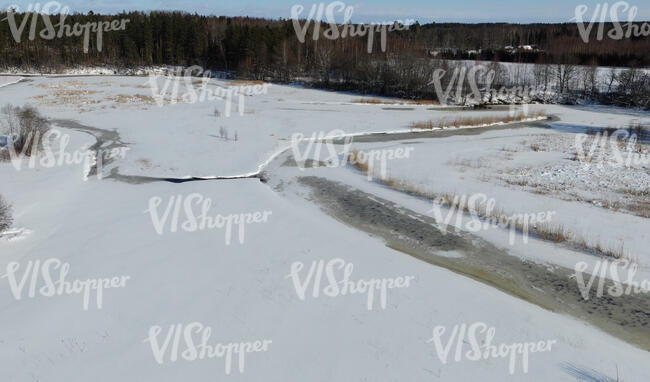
{"points": [[190, 343], [601, 268], [618, 150], [479, 337], [34, 11], [207, 91], [43, 271], [346, 29], [199, 220], [323, 143], [619, 31], [484, 216], [50, 157], [473, 85], [368, 160], [314, 147], [333, 279]]}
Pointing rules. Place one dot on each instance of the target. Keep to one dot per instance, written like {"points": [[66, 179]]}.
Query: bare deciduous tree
{"points": [[589, 77], [611, 78], [565, 74]]}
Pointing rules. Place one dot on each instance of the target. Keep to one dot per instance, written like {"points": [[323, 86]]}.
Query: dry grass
{"points": [[510, 149], [474, 121], [428, 125], [132, 99], [617, 252], [145, 163], [635, 192], [375, 101], [60, 96], [641, 208], [470, 163], [556, 233], [246, 82], [69, 93], [423, 102], [508, 156], [380, 101], [133, 86], [585, 159], [63, 84], [353, 157]]}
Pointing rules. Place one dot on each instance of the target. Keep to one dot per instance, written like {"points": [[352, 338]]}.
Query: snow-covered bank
{"points": [[85, 71], [529, 170], [9, 80]]}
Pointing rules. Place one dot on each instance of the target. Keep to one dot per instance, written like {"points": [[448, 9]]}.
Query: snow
{"points": [[153, 133], [9, 80], [472, 164], [86, 71], [103, 228]]}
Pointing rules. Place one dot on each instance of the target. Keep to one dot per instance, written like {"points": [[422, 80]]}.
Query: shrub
{"points": [[26, 126], [5, 215]]}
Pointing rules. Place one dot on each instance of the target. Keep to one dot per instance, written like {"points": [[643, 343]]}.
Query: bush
{"points": [[4, 154], [26, 127], [5, 215]]}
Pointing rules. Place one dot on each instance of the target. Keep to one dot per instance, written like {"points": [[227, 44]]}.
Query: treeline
{"points": [[252, 45], [557, 43], [264, 49]]}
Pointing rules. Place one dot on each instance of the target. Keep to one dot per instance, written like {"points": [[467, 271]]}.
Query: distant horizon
{"points": [[422, 11]]}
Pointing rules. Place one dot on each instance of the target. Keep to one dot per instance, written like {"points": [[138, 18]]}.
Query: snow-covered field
{"points": [[238, 281], [496, 163]]}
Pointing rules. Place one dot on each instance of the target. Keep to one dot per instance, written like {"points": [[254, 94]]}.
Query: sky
{"points": [[424, 11]]}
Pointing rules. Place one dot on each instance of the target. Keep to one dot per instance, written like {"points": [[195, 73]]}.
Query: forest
{"points": [[266, 49]]}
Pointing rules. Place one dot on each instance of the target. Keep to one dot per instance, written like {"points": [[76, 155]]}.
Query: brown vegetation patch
{"points": [[246, 82], [474, 121]]}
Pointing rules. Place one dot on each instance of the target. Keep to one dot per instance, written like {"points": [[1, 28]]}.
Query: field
{"points": [[284, 152]]}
